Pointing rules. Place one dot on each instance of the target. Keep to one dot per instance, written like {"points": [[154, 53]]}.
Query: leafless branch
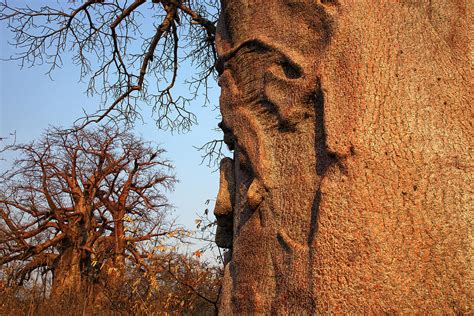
{"points": [[108, 40]]}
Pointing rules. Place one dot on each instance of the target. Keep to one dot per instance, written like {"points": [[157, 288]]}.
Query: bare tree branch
{"points": [[103, 37]]}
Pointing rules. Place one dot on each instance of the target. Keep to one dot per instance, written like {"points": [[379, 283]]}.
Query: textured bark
{"points": [[68, 278], [351, 128], [73, 271]]}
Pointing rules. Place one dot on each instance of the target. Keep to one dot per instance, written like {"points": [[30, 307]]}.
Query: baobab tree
{"points": [[80, 204], [349, 190]]}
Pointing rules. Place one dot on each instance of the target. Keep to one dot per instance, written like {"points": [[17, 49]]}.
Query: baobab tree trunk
{"points": [[350, 123], [117, 273], [73, 271], [67, 278]]}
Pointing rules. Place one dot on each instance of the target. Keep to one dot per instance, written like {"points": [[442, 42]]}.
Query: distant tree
{"points": [[82, 204]]}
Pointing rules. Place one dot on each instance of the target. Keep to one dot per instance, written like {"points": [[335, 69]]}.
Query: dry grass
{"points": [[191, 288]]}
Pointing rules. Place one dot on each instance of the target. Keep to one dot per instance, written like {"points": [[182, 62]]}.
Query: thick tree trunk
{"points": [[73, 272], [67, 277], [351, 126], [119, 247]]}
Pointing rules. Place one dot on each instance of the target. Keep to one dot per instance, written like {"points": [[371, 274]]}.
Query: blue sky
{"points": [[30, 102]]}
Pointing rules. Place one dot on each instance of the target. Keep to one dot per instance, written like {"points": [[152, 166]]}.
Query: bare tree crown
{"points": [[97, 192], [130, 51]]}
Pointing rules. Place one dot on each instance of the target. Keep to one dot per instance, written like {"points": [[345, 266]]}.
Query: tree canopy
{"points": [[130, 51]]}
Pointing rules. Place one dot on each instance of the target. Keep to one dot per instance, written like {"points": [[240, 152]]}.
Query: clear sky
{"points": [[30, 102]]}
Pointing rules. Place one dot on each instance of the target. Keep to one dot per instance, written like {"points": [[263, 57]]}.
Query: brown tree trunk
{"points": [[67, 279], [114, 266], [73, 271], [119, 247], [351, 126]]}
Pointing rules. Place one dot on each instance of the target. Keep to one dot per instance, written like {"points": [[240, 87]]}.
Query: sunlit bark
{"points": [[350, 128]]}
